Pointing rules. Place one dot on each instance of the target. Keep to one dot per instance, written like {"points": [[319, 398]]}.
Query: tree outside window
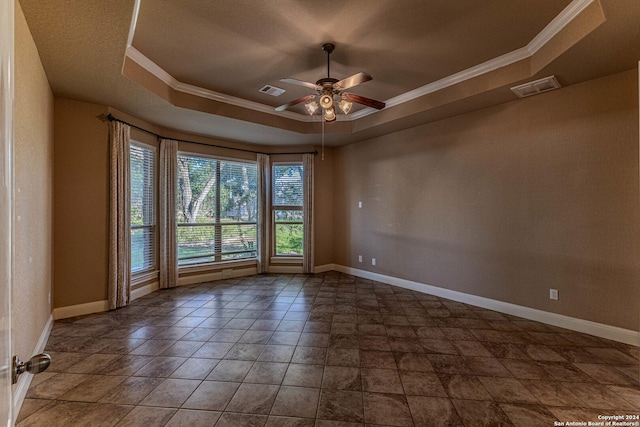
{"points": [[216, 209]]}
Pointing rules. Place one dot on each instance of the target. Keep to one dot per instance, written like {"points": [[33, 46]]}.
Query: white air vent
{"points": [[272, 90], [536, 87]]}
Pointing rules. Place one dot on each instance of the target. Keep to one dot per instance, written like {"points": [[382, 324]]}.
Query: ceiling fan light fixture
{"points": [[311, 107], [345, 106], [329, 114], [326, 101]]}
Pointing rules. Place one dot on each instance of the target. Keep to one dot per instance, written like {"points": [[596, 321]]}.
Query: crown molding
{"points": [[575, 8], [134, 23], [469, 73], [153, 68], [568, 14]]}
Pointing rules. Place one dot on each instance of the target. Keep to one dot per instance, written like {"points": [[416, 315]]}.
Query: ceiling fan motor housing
{"points": [[327, 83]]}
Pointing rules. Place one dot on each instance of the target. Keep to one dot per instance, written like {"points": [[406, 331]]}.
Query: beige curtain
{"points": [[119, 217], [307, 260], [167, 214], [264, 212]]}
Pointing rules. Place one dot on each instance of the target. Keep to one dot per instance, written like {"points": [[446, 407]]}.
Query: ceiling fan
{"points": [[331, 92]]}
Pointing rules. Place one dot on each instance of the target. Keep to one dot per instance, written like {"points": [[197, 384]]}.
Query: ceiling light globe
{"points": [[345, 106], [311, 107], [329, 114], [326, 101]]}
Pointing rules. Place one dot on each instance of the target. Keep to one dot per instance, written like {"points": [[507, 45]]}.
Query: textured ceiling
{"points": [[233, 47], [236, 47]]}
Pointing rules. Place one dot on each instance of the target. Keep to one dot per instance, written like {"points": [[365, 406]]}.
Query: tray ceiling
{"points": [[198, 66]]}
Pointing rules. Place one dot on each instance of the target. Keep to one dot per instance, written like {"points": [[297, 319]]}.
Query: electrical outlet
{"points": [[360, 205], [373, 261], [553, 294], [359, 258]]}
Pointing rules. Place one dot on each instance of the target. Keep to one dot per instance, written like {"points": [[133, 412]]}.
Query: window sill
{"points": [[144, 277], [199, 268], [286, 260], [189, 275]]}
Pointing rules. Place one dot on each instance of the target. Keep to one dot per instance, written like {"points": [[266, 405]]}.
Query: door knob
{"points": [[35, 365]]}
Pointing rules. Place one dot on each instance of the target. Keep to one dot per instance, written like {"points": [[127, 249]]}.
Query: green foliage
{"points": [[289, 239], [237, 195]]}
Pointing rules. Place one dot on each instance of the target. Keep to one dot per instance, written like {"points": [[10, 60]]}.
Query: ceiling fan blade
{"points": [[301, 83], [297, 101], [378, 105], [352, 81]]}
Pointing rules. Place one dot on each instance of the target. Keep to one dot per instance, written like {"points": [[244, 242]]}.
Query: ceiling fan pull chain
{"points": [[322, 139]]}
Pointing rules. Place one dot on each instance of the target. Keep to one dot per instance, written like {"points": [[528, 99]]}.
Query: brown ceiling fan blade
{"points": [[297, 101], [378, 105], [301, 83], [352, 81]]}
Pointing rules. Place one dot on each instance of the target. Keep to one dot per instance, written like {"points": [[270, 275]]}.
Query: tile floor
{"points": [[323, 350]]}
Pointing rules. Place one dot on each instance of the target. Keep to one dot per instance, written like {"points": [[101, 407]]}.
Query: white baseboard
{"points": [[579, 325], [285, 269], [323, 268], [80, 309], [99, 306], [229, 273], [24, 380], [144, 290]]}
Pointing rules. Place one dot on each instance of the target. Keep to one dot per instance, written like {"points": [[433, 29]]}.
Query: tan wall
{"points": [[323, 207], [506, 202], [33, 193], [81, 204]]}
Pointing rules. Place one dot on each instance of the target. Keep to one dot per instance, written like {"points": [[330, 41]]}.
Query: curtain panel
{"points": [[119, 292], [308, 257], [168, 250], [264, 212]]}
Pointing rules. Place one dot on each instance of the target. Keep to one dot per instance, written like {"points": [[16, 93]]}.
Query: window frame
{"points": [[141, 273], [275, 258], [218, 254]]}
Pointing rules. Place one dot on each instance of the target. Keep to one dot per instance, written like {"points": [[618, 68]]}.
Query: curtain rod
{"points": [[111, 118]]}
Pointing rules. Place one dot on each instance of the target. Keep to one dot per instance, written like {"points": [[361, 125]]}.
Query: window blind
{"points": [[143, 210], [287, 185]]}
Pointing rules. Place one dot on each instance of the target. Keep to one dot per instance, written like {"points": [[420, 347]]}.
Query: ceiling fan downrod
{"points": [[328, 49]]}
